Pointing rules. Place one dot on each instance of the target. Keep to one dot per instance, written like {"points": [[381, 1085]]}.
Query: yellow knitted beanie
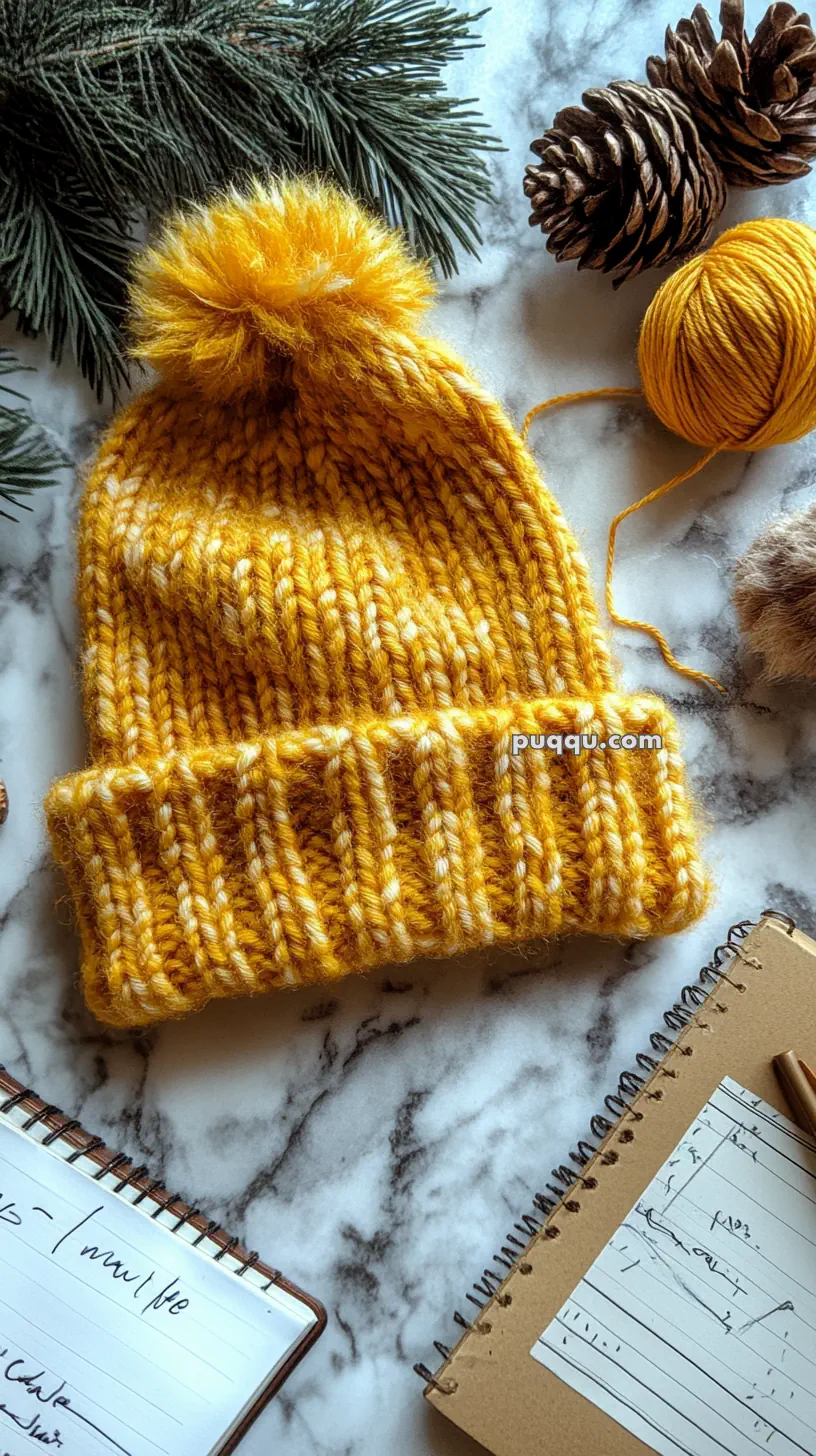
{"points": [[321, 588]]}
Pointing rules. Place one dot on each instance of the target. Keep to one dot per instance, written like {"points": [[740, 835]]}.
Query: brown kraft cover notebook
{"points": [[755, 999]]}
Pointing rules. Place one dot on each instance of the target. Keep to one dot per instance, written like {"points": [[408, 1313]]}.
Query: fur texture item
{"points": [[277, 272], [775, 595]]}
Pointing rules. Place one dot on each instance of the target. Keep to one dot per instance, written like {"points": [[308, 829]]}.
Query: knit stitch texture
{"points": [[321, 584]]}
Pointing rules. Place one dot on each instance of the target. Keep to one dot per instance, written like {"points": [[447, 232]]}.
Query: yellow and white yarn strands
{"points": [[726, 355], [322, 590]]}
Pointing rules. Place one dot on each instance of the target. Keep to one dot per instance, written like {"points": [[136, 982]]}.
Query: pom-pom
{"points": [[728, 342], [775, 595], [286, 269]]}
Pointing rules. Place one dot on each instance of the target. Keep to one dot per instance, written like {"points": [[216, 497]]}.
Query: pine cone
{"points": [[626, 183], [754, 103]]}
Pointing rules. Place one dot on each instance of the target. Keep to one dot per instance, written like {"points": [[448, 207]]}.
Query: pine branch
{"points": [[27, 459], [63, 266], [112, 111]]}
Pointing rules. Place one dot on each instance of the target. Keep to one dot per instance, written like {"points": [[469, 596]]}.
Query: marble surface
{"points": [[377, 1141]]}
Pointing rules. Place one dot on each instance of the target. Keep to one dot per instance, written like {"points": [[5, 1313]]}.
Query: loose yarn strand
{"points": [[694, 674], [654, 632], [557, 399]]}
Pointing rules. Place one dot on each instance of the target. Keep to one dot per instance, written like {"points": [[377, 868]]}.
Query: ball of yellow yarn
{"points": [[728, 344]]}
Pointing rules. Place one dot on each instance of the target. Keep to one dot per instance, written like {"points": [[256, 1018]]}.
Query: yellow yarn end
{"points": [[693, 673]]}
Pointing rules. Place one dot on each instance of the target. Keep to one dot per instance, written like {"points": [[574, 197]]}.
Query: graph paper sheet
{"points": [[695, 1328]]}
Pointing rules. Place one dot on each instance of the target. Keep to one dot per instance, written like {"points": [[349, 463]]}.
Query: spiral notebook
{"points": [[130, 1325], [662, 1294]]}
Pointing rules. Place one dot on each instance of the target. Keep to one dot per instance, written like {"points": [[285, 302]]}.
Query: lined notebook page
{"points": [[117, 1337], [695, 1328]]}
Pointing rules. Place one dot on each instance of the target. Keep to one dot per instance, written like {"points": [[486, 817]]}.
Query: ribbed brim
{"points": [[240, 868]]}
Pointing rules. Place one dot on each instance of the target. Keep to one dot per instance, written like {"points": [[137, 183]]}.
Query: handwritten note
{"points": [[695, 1328], [118, 1338]]}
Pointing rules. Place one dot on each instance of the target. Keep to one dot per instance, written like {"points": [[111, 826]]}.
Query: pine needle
{"points": [[27, 459]]}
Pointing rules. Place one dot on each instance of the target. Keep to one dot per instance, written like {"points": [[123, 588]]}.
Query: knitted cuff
{"points": [[239, 868]]}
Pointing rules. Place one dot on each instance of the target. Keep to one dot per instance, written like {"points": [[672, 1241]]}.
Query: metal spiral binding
{"points": [[114, 1162], [616, 1105]]}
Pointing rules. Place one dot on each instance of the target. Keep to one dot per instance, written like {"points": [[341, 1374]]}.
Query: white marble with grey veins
{"points": [[376, 1140]]}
